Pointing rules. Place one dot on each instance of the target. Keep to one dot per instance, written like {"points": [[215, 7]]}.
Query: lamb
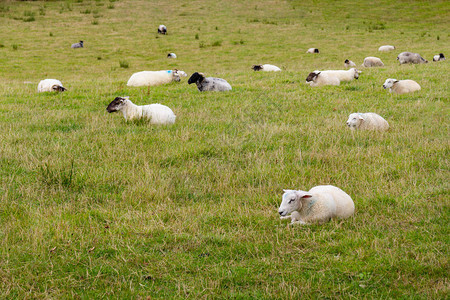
{"points": [[153, 78], [266, 68], [349, 63], [411, 58], [156, 113], [318, 205], [439, 57], [162, 29], [209, 83], [312, 50], [401, 86], [171, 55], [77, 45], [372, 62], [386, 48], [367, 121], [50, 85], [316, 78], [348, 75]]}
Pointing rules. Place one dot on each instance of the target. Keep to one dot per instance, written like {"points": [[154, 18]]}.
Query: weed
{"points": [[94, 22], [15, 46], [196, 36], [216, 43], [123, 64]]}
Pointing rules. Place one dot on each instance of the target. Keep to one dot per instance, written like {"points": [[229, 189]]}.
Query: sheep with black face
{"points": [[50, 85], [209, 83]]}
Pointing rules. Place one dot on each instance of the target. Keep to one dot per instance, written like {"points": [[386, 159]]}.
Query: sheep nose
{"points": [[281, 213]]}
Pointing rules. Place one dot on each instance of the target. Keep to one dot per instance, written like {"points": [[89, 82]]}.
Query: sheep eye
{"points": [[290, 201]]}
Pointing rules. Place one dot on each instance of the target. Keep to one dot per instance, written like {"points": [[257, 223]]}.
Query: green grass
{"points": [[94, 207]]}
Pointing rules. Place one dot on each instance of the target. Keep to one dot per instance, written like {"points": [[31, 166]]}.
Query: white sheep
{"points": [[162, 29], [386, 48], [209, 83], [371, 61], [316, 78], [343, 75], [439, 57], [312, 50], [266, 68], [411, 58], [156, 113], [153, 78], [401, 86], [348, 63], [318, 205], [77, 45], [50, 85], [367, 121], [171, 55]]}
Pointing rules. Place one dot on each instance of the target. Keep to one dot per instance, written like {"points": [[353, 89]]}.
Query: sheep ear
{"points": [[395, 81], [318, 73], [303, 194]]}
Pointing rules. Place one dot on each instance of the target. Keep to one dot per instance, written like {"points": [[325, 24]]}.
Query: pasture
{"points": [[94, 207]]}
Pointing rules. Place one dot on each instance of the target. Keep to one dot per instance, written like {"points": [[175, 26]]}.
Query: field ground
{"points": [[94, 207]]}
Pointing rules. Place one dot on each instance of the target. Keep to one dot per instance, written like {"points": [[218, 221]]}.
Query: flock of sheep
{"points": [[320, 203]]}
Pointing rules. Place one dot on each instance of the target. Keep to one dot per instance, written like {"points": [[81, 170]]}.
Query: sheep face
{"points": [[117, 104], [292, 201], [312, 76], [357, 72], [389, 83], [354, 121], [316, 50], [196, 77], [257, 67], [58, 88], [346, 61]]}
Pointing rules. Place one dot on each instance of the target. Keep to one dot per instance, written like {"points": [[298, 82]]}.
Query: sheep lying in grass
{"points": [[266, 68], [401, 86], [316, 78], [318, 205], [162, 29], [312, 50], [156, 113], [343, 75], [171, 55], [50, 85], [209, 83], [153, 78], [349, 63], [411, 58], [386, 48], [372, 62], [367, 121], [439, 57], [77, 45]]}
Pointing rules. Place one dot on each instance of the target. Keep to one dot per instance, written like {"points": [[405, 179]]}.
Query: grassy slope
{"points": [[191, 210]]}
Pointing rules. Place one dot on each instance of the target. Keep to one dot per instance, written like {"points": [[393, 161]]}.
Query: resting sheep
{"points": [[153, 78], [367, 121], [349, 63], [171, 55], [411, 58], [343, 75], [401, 86], [209, 83], [439, 57], [156, 113], [372, 62], [266, 68], [77, 45], [318, 205], [316, 78], [50, 85], [312, 50], [386, 48], [162, 29]]}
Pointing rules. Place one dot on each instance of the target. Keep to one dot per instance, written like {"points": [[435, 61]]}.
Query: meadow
{"points": [[94, 207]]}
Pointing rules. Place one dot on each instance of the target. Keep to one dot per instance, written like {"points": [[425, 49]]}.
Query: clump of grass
{"points": [[94, 22], [196, 36], [217, 28], [42, 11], [201, 45], [437, 38], [96, 16], [216, 43], [110, 6], [99, 58], [62, 177], [2, 46], [15, 46], [50, 34], [123, 64], [28, 16], [86, 11]]}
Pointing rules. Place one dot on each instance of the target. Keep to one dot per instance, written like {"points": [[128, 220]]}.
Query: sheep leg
{"points": [[299, 222], [285, 217]]}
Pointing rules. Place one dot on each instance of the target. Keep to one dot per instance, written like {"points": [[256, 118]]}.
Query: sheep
{"points": [[171, 55], [50, 85], [439, 57], [316, 78], [77, 45], [209, 83], [386, 48], [318, 205], [153, 78], [348, 75], [348, 63], [162, 29], [156, 113], [411, 58], [367, 121], [266, 68], [372, 62], [401, 86], [312, 50]]}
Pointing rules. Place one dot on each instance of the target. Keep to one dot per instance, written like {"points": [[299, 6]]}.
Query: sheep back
{"points": [[372, 61], [411, 58], [150, 78], [405, 86], [335, 199], [158, 114]]}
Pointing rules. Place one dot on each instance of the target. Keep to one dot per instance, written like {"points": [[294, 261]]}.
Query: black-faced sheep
{"points": [[50, 85], [316, 78], [162, 29], [209, 83], [266, 68], [439, 57], [312, 50], [77, 45]]}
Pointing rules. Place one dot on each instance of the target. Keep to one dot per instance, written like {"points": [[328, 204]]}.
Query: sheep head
{"points": [[257, 67], [58, 88], [389, 83], [316, 50], [354, 120], [357, 72], [292, 201], [117, 104], [312, 76], [196, 77]]}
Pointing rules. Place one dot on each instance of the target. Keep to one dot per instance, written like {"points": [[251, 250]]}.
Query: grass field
{"points": [[94, 207]]}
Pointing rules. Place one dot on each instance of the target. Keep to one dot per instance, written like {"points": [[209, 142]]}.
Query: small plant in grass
{"points": [[42, 11], [95, 22], [216, 43], [110, 6], [1, 45], [123, 64], [52, 176], [99, 58], [196, 36], [50, 34], [437, 38], [15, 46], [201, 45], [86, 11]]}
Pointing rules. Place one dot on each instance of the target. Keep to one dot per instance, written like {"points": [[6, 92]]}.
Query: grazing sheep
{"points": [[266, 68], [318, 205], [401, 86], [411, 58], [162, 29], [342, 75], [312, 50], [209, 83], [372, 62], [349, 63], [439, 57], [316, 78], [171, 55], [367, 121], [50, 85], [153, 78], [156, 113], [386, 48], [77, 45]]}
